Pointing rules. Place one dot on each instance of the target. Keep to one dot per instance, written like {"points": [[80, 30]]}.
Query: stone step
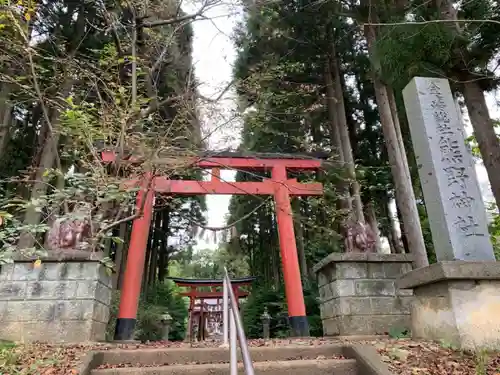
{"points": [[295, 367], [179, 356]]}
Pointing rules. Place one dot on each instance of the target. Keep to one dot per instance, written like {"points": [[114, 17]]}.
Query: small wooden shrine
{"points": [[206, 304]]}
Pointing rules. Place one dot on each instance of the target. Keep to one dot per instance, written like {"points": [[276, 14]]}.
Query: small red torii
{"points": [[279, 185], [193, 293]]}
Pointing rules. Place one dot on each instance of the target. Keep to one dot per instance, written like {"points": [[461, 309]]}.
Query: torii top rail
{"points": [[230, 160], [193, 285], [279, 185]]}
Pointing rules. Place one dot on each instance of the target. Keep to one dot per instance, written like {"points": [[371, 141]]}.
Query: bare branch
{"points": [[429, 22], [187, 17], [157, 104], [137, 214], [219, 97]]}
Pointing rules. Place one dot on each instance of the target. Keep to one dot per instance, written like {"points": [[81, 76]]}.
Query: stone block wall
{"points": [[358, 294], [55, 302]]}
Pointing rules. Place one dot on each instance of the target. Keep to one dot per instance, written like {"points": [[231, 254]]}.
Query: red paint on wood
{"points": [[215, 284], [266, 187], [288, 247], [249, 163], [215, 175], [234, 163], [198, 294], [131, 287]]}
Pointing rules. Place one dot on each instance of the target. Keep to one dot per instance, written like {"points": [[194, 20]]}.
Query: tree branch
{"points": [[157, 104], [228, 86], [429, 22], [187, 17], [171, 21], [136, 214]]}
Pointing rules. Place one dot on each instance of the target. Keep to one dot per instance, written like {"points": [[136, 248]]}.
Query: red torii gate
{"points": [[194, 293], [280, 186]]}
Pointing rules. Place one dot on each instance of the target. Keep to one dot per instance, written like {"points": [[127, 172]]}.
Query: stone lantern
{"points": [[165, 321], [266, 322]]}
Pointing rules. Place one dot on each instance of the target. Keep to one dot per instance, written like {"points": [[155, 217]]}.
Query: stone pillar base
{"points": [[456, 302], [358, 294], [59, 301]]}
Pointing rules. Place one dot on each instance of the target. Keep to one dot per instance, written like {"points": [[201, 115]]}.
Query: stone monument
{"points": [[458, 299]]}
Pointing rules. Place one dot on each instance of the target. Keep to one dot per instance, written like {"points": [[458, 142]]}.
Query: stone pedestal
{"points": [[59, 301], [457, 302], [358, 295]]}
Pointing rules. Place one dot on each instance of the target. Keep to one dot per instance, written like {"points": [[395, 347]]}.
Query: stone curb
{"points": [[361, 257], [91, 361], [62, 256], [449, 270], [368, 360], [296, 367]]}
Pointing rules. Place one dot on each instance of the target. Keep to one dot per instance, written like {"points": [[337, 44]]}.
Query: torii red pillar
{"points": [[132, 278], [289, 258]]}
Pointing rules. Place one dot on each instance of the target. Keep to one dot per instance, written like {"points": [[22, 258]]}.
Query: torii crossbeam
{"points": [[279, 185]]}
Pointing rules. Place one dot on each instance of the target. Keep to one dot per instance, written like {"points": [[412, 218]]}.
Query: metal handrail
{"points": [[235, 329]]}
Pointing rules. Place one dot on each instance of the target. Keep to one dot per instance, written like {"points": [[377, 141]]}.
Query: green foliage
{"points": [[399, 332], [426, 231], [460, 51], [409, 50], [274, 300], [72, 86], [157, 300], [209, 264], [85, 191], [8, 357], [494, 229]]}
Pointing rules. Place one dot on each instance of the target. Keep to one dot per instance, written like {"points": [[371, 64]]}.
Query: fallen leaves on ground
{"points": [[404, 357], [42, 359], [407, 357]]}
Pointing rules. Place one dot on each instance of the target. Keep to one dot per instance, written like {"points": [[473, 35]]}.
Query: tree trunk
{"points": [[275, 246], [398, 246], [164, 258], [392, 243], [48, 156], [405, 196], [154, 266], [335, 139], [397, 127], [5, 116], [299, 236], [404, 237], [485, 134], [345, 140], [154, 247], [147, 261], [119, 257], [371, 218], [55, 209]]}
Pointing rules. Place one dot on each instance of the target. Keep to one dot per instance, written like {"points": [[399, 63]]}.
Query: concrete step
{"points": [[179, 356], [292, 367]]}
